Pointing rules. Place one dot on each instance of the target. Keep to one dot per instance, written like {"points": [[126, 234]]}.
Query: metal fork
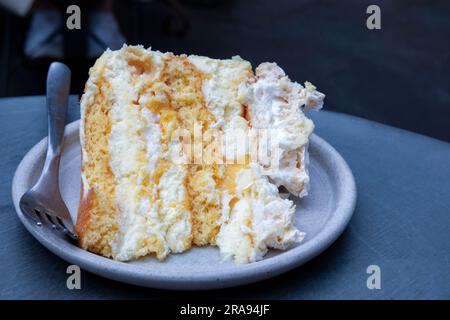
{"points": [[43, 202]]}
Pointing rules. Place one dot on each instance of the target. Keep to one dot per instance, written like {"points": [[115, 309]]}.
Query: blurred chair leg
{"points": [[179, 23], [6, 44], [136, 9]]}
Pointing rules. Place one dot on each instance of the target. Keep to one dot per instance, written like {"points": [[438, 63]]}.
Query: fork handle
{"points": [[58, 87]]}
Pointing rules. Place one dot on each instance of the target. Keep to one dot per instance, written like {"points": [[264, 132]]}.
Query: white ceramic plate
{"points": [[323, 215]]}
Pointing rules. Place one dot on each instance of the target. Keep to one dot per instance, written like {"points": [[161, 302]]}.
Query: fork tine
{"points": [[67, 230], [49, 220], [37, 214], [61, 225], [30, 211], [71, 234]]}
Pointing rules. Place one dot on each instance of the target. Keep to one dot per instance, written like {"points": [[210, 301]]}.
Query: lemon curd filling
{"points": [[149, 185]]}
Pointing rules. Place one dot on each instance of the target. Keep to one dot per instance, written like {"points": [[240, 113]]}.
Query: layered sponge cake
{"points": [[182, 151]]}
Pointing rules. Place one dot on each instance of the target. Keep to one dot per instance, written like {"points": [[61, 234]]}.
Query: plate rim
{"points": [[223, 278]]}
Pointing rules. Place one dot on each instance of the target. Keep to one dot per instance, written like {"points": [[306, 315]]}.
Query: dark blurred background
{"points": [[399, 75]]}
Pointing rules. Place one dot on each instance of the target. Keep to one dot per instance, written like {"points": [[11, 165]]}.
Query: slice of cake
{"points": [[181, 151]]}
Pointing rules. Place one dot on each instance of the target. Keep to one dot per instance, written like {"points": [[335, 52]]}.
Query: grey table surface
{"points": [[401, 222]]}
